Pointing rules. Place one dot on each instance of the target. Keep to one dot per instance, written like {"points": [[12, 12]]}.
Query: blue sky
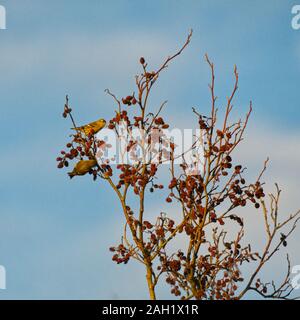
{"points": [[55, 232]]}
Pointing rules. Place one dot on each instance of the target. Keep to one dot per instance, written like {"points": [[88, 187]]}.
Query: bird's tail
{"points": [[71, 175]]}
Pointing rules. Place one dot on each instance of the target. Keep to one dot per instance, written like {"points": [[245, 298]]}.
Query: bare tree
{"points": [[208, 263]]}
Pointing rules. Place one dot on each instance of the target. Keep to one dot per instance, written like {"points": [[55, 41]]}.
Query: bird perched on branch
{"points": [[82, 167], [91, 128]]}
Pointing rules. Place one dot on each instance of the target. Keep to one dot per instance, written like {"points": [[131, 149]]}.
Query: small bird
{"points": [[82, 167], [92, 128]]}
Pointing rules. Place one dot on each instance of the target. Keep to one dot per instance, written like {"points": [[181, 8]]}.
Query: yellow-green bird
{"points": [[92, 128], [82, 167]]}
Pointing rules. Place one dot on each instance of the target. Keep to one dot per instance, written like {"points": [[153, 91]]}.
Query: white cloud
{"points": [[110, 55]]}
